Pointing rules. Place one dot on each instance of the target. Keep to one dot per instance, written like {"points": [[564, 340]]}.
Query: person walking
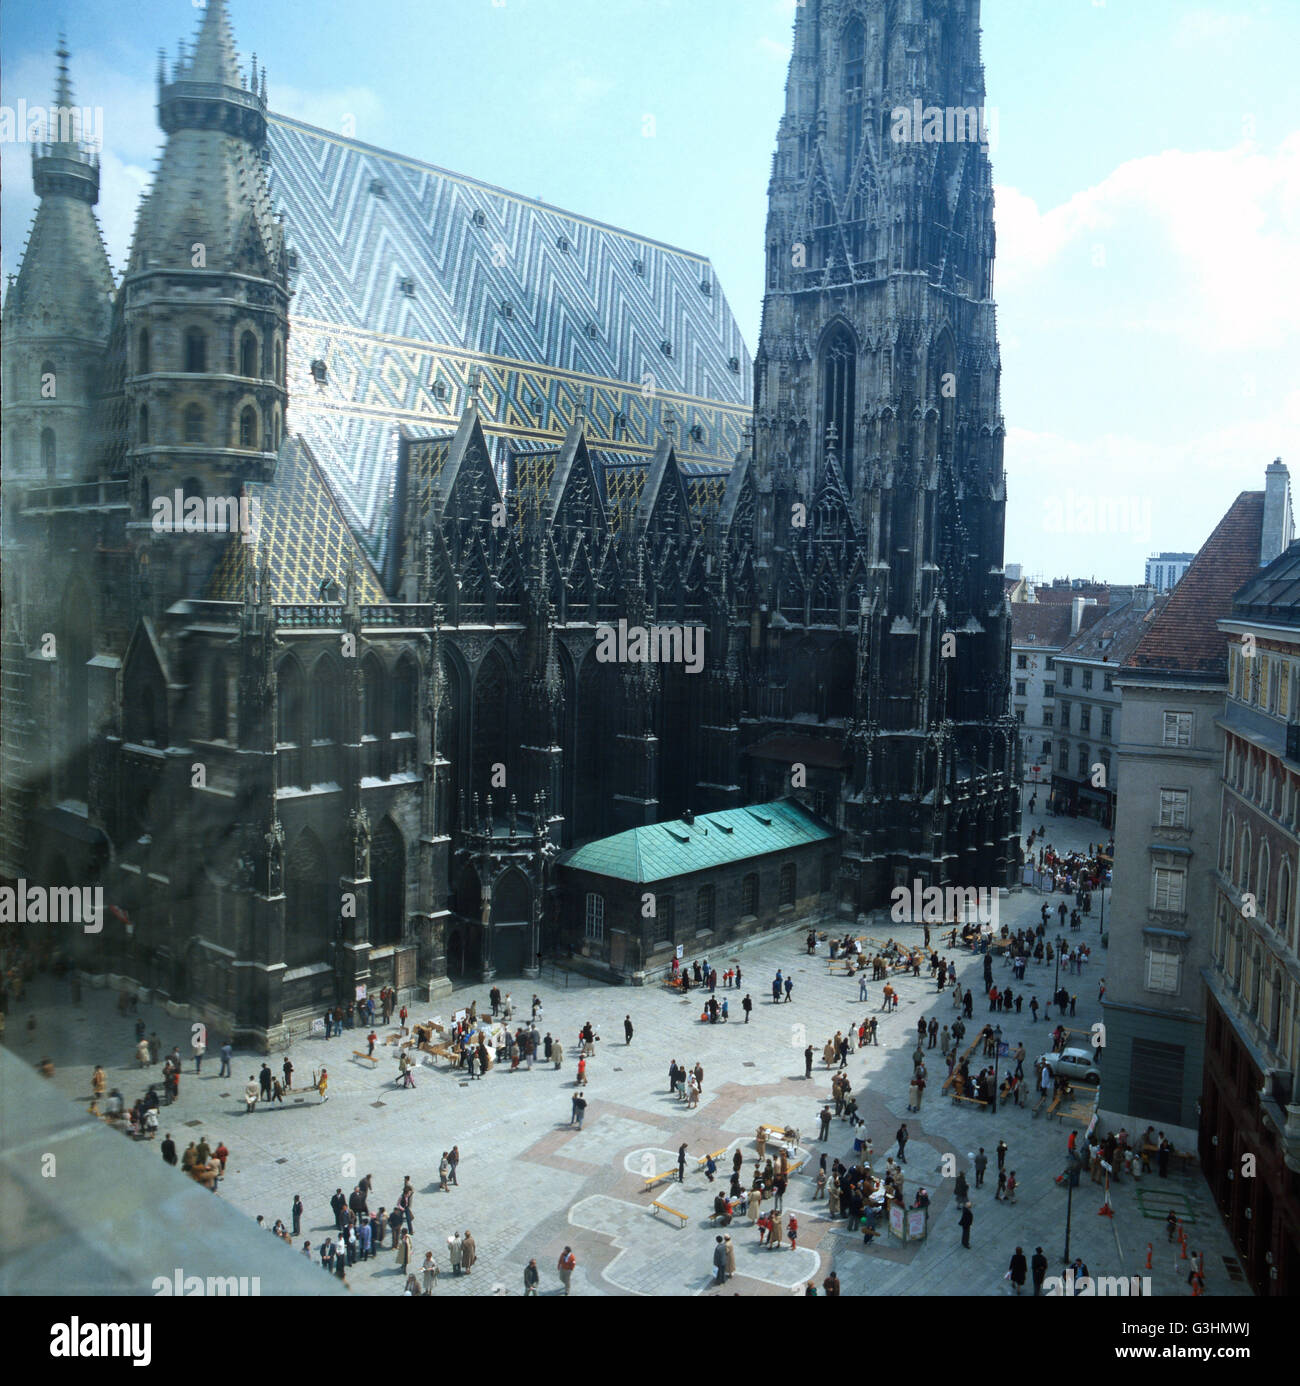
{"points": [[169, 1149], [468, 1252], [1038, 1269], [825, 1131], [720, 1262], [227, 1053], [297, 1215], [453, 1252], [789, 987], [444, 1169], [531, 1278], [747, 1005], [730, 1248], [808, 1061], [901, 1137], [1001, 1152], [862, 986], [1017, 1270], [579, 1109], [566, 1265], [264, 1079], [981, 1164], [681, 1163], [964, 1222], [288, 1075], [627, 1028]]}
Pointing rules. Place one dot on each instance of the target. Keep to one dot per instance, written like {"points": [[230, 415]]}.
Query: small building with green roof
{"points": [[700, 881]]}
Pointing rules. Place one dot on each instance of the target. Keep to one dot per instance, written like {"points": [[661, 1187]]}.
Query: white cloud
{"points": [[1209, 26], [1222, 228]]}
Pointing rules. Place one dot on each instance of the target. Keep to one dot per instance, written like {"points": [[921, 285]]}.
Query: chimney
{"points": [[1279, 527], [1077, 605]]}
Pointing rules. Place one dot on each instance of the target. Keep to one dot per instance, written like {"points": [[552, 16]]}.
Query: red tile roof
{"points": [[1185, 636], [1047, 627], [1054, 596]]}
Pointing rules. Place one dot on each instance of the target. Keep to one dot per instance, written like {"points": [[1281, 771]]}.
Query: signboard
{"points": [[1003, 1049], [898, 1221], [361, 991], [680, 947], [318, 1027], [916, 1224], [458, 1016]]}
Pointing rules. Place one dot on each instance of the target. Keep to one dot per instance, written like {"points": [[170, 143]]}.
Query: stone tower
{"points": [[199, 401], [878, 447]]}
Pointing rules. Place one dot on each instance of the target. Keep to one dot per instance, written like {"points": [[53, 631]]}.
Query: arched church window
{"points": [[143, 360], [196, 351], [47, 382], [248, 427], [193, 420], [143, 430], [854, 53], [839, 389], [49, 453], [248, 355]]}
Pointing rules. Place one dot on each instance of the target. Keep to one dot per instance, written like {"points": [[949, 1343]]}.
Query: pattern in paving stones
{"points": [[530, 1183]]}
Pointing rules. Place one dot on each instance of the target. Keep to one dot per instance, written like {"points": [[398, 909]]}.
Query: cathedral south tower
{"points": [[878, 445]]}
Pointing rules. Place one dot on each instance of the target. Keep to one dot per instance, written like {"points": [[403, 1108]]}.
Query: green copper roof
{"points": [[677, 848]]}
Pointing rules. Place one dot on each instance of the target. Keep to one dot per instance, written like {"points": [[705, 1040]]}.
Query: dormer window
{"points": [[706, 287], [507, 309], [562, 244], [733, 365], [666, 348], [697, 433], [293, 259], [377, 188], [593, 331], [638, 267], [479, 218], [439, 389], [319, 372], [407, 286]]}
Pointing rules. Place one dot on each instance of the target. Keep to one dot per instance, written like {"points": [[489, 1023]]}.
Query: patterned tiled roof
{"points": [[662, 850], [408, 278], [1186, 636], [303, 533]]}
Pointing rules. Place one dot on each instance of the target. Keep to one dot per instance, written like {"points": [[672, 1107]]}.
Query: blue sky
{"points": [[1147, 166]]}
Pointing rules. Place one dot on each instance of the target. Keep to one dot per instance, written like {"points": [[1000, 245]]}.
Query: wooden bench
{"points": [[703, 1160], [369, 1058], [947, 1082], [777, 1133], [654, 1179], [664, 1208], [971, 1101]]}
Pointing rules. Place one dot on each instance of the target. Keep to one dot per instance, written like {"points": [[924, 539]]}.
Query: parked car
{"points": [[1073, 1063]]}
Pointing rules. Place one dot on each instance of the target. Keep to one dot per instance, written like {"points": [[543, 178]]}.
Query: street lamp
{"points": [[1071, 1182], [997, 1055]]}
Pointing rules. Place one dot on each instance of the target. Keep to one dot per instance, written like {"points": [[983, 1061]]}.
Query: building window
{"points": [[665, 925], [142, 352], [1167, 889], [143, 430], [1178, 729], [1084, 763], [704, 898], [1065, 716], [1087, 680], [1051, 665], [1107, 721], [1085, 717], [1048, 716], [1108, 684], [1049, 690], [1067, 676], [1047, 751], [1020, 716], [1022, 661], [788, 884], [749, 894], [248, 355], [1021, 688], [49, 453], [1282, 917], [839, 391], [196, 351], [1162, 972], [1063, 760], [1103, 757], [1173, 808], [193, 423], [248, 427], [594, 923]]}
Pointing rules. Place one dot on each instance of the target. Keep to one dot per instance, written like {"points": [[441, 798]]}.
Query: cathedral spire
{"points": [[213, 57]]}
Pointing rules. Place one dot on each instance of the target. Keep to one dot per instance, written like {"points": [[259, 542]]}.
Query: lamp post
{"points": [[997, 1055], [1071, 1183]]}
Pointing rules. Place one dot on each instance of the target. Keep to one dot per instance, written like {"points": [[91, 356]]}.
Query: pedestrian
{"points": [[862, 986], [964, 1222], [1016, 1271], [531, 1277], [747, 1005], [627, 1028], [579, 1110], [251, 1094], [1001, 1152], [288, 1075], [468, 1252], [681, 1163], [808, 1061], [825, 1132], [720, 1261], [901, 1137], [199, 1049], [169, 1149], [453, 1251], [1038, 1269], [567, 1262], [227, 1053], [444, 1169], [453, 1159], [297, 1215], [981, 1164], [831, 1285], [428, 1272]]}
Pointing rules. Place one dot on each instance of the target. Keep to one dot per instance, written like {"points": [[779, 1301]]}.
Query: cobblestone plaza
{"points": [[531, 1183]]}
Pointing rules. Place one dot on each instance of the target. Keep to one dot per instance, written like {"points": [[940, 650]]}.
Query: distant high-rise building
{"points": [[1165, 570]]}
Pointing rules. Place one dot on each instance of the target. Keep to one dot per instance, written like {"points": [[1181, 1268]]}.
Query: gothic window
{"points": [[248, 355], [325, 702], [704, 899], [387, 884], [1282, 914], [49, 453], [665, 919], [1083, 762], [275, 429], [307, 906], [749, 894], [839, 381], [1229, 843], [193, 423], [196, 351], [788, 883], [248, 427], [279, 361], [218, 710], [143, 356], [372, 684], [1262, 879], [144, 425], [405, 688], [1244, 882]]}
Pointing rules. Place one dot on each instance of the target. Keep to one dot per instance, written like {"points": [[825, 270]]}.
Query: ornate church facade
{"points": [[317, 520]]}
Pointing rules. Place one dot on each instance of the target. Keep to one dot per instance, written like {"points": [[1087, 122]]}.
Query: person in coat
{"points": [[454, 1252], [468, 1253], [1019, 1266], [531, 1278], [404, 1251], [720, 1261], [964, 1222], [731, 1254], [251, 1094]]}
